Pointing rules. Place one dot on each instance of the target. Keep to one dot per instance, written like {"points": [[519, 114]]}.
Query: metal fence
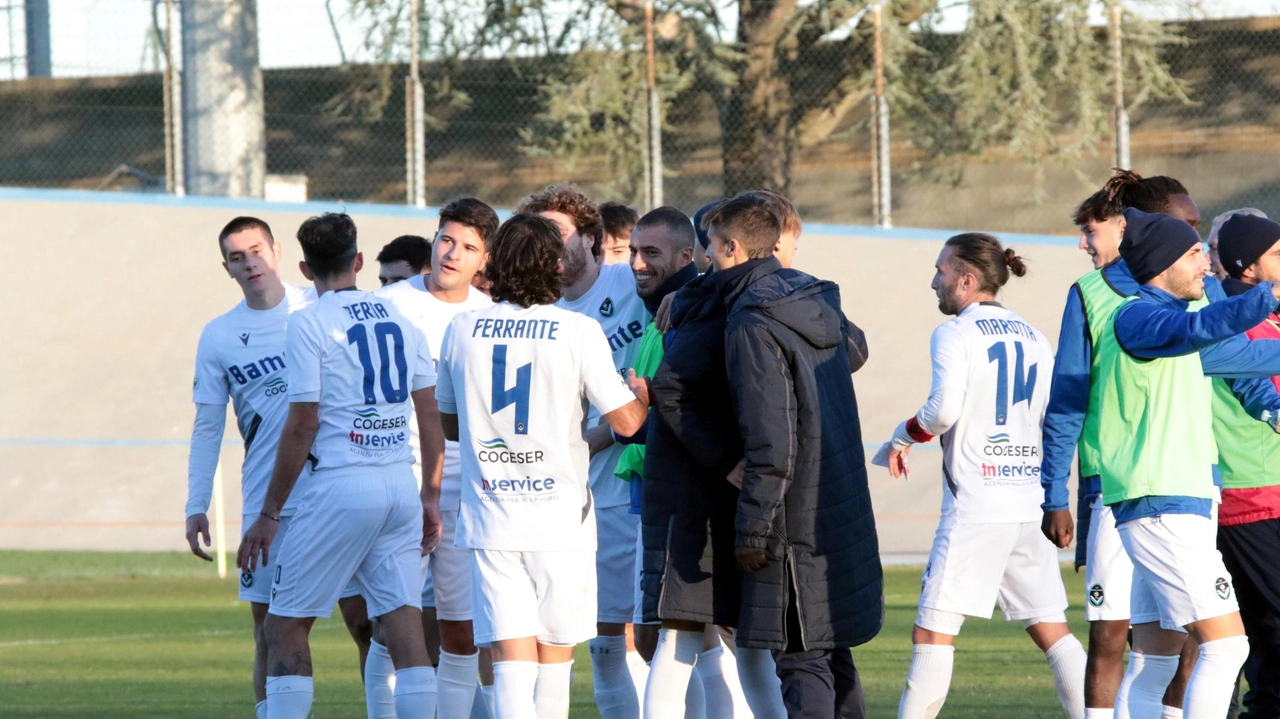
{"points": [[508, 109]]}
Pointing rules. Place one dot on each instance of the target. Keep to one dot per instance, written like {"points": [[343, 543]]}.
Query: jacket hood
{"points": [[806, 305]]}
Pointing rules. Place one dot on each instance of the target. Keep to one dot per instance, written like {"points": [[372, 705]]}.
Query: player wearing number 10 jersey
{"points": [[515, 382], [354, 364], [990, 388]]}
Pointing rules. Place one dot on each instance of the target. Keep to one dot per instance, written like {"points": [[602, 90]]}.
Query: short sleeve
{"points": [[604, 387], [210, 385], [446, 398], [302, 352], [424, 369], [950, 358]]}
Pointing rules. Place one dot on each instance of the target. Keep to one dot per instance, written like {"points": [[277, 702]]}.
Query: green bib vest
{"points": [[1248, 450], [1100, 301], [1155, 435], [648, 357]]}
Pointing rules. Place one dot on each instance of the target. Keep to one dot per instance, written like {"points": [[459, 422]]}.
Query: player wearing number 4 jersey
{"points": [[241, 355], [355, 362], [990, 387], [515, 383]]}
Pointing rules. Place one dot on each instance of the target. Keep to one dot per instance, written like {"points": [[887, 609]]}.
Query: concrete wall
{"points": [[106, 301]]}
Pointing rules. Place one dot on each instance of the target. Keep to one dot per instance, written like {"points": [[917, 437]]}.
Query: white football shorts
{"points": [[256, 586], [450, 574], [1178, 574], [616, 532], [1108, 573], [972, 566], [355, 524], [548, 595]]}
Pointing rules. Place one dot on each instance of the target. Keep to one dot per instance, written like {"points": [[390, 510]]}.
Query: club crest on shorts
{"points": [[1096, 595], [1223, 588], [246, 580], [606, 307]]}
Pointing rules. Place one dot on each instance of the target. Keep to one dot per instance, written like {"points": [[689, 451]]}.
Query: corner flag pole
{"points": [[220, 523]]}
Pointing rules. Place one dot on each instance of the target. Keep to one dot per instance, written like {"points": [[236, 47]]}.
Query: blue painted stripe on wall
{"points": [[102, 442], [24, 194]]}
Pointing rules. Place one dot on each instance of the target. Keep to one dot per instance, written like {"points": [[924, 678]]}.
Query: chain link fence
{"points": [[509, 110]]}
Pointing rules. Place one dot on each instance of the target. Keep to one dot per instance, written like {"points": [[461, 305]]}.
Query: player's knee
{"points": [[457, 637], [935, 626]]}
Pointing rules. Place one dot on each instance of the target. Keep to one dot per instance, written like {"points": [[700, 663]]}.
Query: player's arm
{"points": [[627, 419], [1153, 330], [941, 411], [296, 440], [599, 438], [1064, 419], [202, 463], [856, 342], [449, 423], [431, 434]]}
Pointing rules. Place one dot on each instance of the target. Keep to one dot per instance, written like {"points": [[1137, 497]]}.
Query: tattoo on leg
{"points": [[300, 665]]}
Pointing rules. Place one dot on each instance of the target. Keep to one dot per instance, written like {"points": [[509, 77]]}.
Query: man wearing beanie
{"points": [[1157, 455], [1249, 461], [1073, 418]]}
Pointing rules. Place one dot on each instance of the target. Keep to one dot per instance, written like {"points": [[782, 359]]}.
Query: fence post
{"points": [[1122, 159], [39, 47], [174, 179], [414, 123], [883, 196], [654, 112]]}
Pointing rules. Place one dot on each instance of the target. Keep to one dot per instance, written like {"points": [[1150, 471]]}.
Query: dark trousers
{"points": [[1250, 552], [818, 684]]}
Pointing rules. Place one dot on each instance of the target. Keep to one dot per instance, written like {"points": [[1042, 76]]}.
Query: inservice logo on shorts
{"points": [[1096, 595], [246, 580], [1223, 588]]}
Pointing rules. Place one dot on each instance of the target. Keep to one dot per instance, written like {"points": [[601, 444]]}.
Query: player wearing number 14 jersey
{"points": [[515, 383], [990, 388], [354, 365]]}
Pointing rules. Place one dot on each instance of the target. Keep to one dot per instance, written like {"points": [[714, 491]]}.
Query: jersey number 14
{"points": [[1024, 384]]}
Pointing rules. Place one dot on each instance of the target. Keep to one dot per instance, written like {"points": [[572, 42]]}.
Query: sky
{"points": [[112, 37]]}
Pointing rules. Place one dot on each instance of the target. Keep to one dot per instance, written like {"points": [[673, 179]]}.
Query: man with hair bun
{"points": [[987, 402]]}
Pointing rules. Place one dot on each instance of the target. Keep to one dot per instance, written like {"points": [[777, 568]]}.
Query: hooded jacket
{"points": [[804, 498]]}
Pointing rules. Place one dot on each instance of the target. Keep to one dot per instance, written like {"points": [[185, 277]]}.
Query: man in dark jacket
{"points": [[805, 534]]}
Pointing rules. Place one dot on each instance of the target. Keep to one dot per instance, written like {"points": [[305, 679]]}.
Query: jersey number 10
{"points": [[518, 395], [358, 335], [1024, 384]]}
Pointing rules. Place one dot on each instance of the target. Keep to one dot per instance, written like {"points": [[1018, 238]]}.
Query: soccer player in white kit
{"points": [[241, 355], [991, 374], [355, 362], [606, 294], [431, 302], [514, 386]]}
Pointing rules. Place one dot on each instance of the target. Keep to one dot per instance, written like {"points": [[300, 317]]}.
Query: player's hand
{"points": [[737, 473], [432, 526], [751, 559], [639, 386], [1058, 527], [255, 547], [898, 462], [662, 318], [198, 528]]}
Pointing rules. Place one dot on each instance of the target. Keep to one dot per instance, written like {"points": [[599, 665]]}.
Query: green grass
{"points": [[158, 635]]}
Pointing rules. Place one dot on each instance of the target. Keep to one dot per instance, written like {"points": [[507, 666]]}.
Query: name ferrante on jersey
{"points": [[500, 329]]}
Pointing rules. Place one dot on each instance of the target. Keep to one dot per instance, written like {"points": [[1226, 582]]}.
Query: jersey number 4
{"points": [[1024, 384], [358, 335], [518, 395]]}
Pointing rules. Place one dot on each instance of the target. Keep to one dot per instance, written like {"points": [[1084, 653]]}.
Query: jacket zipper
{"points": [[795, 588]]}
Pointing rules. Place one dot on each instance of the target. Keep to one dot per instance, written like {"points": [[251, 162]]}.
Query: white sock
{"points": [[760, 683], [415, 694], [513, 686], [260, 709], [1091, 713], [639, 669], [1141, 694], [486, 691], [1168, 712], [928, 681], [479, 704], [1067, 659], [551, 693], [379, 683], [615, 691], [695, 700], [289, 697], [719, 674], [1213, 679], [669, 672], [456, 681]]}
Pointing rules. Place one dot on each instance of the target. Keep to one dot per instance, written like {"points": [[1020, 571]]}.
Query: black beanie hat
{"points": [[1153, 242], [703, 238], [1242, 239]]}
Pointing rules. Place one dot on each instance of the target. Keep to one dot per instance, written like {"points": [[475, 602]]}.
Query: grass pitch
{"points": [[159, 635]]}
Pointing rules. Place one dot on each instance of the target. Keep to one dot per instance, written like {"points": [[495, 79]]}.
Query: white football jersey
{"points": [[520, 381], [991, 455], [433, 316], [356, 355], [241, 355], [612, 301]]}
